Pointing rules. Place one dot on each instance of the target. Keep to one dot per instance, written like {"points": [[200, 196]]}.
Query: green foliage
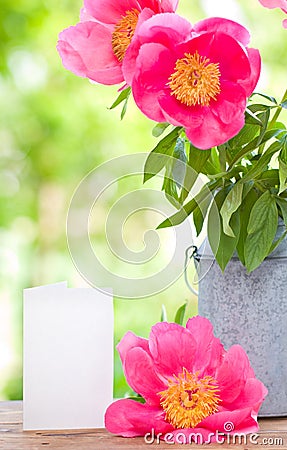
{"points": [[243, 190], [180, 313]]}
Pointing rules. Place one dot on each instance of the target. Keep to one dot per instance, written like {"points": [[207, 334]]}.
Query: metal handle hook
{"points": [[196, 258]]}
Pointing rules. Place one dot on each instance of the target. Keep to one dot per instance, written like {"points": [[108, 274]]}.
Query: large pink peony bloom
{"points": [[276, 4], [96, 46], [200, 81], [189, 382]]}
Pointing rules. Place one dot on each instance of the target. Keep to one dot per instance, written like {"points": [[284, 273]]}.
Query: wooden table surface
{"points": [[273, 435]]}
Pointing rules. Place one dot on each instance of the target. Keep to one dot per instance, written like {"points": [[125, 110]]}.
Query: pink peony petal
{"points": [[129, 341], [233, 62], [284, 23], [86, 50], [274, 3], [249, 84], [151, 57], [172, 348], [241, 419], [229, 105], [232, 374], [169, 5], [209, 351], [109, 11], [129, 418], [252, 395], [218, 24], [166, 29], [141, 376]]}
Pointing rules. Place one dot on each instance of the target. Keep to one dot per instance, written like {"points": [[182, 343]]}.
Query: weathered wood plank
{"points": [[12, 437]]}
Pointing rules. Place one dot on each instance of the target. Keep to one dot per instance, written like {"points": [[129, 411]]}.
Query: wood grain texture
{"points": [[12, 436]]}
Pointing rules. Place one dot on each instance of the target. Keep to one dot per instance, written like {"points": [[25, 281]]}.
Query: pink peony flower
{"points": [[189, 382], [96, 46], [200, 82], [276, 4]]}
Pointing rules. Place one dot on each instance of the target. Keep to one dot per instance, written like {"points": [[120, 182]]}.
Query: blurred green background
{"points": [[54, 129]]}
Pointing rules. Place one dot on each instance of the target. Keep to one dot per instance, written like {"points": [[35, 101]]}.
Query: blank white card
{"points": [[68, 357]]}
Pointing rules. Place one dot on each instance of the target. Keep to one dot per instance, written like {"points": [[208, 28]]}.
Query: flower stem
{"points": [[278, 111]]}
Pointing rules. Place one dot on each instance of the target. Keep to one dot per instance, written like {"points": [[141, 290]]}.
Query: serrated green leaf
{"points": [[179, 316], [163, 317], [231, 203], [159, 129], [261, 230], [223, 246], [124, 95], [159, 156]]}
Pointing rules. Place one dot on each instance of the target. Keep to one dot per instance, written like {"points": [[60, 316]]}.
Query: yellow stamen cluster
{"points": [[195, 80], [189, 399], [123, 33]]}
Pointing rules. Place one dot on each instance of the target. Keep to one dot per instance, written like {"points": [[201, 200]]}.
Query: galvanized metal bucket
{"points": [[251, 310]]}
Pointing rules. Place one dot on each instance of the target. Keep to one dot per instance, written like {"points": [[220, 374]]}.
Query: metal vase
{"points": [[251, 310]]}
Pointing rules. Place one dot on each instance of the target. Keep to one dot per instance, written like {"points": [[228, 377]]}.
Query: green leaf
{"points": [[251, 118], [179, 162], [261, 230], [283, 168], [163, 317], [159, 129], [263, 162], [282, 203], [278, 242], [268, 97], [244, 212], [175, 173], [159, 156], [124, 95], [179, 316], [197, 160], [246, 135], [231, 203], [199, 214], [187, 209], [137, 398], [270, 178], [255, 143], [223, 246]]}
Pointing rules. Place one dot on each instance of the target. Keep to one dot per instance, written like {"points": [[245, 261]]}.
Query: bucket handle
{"points": [[196, 258]]}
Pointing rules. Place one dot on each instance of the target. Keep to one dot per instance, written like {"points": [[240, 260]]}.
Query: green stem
{"points": [[278, 111]]}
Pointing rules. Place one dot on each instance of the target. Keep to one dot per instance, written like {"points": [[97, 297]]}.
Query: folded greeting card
{"points": [[68, 357]]}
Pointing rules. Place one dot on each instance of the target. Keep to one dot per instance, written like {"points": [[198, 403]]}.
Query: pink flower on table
{"points": [[201, 83], [276, 4], [189, 382], [96, 46]]}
